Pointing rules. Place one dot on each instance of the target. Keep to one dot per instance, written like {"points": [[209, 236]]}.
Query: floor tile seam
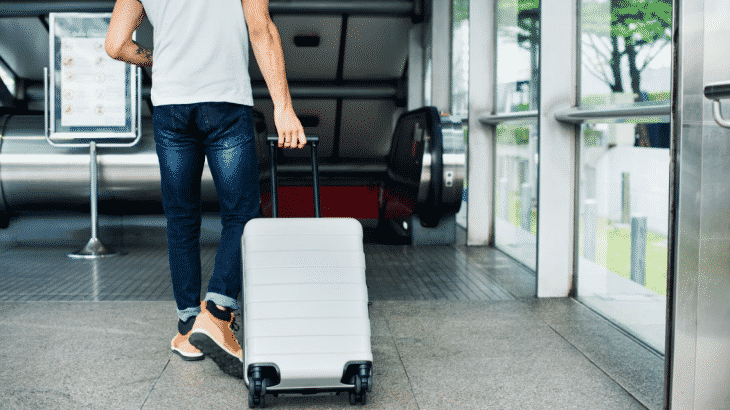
{"points": [[132, 289], [491, 288], [492, 283], [465, 290], [80, 284], [487, 282], [389, 279], [400, 359], [159, 290], [506, 293], [590, 360], [447, 294], [471, 274], [155, 383], [486, 288], [69, 283], [421, 290]]}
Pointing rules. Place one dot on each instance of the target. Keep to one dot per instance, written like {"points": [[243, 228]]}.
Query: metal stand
{"points": [[107, 134], [94, 249]]}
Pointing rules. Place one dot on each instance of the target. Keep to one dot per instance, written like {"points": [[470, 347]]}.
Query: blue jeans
{"points": [[185, 134]]}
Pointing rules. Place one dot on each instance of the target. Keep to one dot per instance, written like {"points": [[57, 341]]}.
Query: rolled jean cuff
{"points": [[186, 314], [222, 300]]}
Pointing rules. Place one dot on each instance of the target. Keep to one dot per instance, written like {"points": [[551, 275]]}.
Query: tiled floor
{"points": [[453, 327]]}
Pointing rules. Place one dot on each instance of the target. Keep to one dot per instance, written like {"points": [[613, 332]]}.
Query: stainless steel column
{"points": [[684, 246], [698, 345]]}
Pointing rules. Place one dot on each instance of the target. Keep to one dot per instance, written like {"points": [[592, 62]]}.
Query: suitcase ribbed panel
{"points": [[309, 327], [287, 258], [305, 242], [305, 299], [293, 292], [305, 309], [270, 347], [279, 276]]}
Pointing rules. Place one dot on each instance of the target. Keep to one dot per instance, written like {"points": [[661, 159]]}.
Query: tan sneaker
{"points": [[215, 338], [184, 349]]}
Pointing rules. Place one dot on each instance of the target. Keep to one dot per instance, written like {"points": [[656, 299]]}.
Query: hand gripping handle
{"points": [[273, 141]]}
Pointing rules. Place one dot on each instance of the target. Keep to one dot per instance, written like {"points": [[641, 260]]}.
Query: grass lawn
{"points": [[613, 246], [613, 251]]}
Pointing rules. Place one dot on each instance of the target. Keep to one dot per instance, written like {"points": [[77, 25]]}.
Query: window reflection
{"points": [[518, 40], [622, 233], [516, 191]]}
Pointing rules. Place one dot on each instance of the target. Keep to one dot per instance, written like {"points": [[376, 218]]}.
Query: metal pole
{"points": [[625, 198], [272, 150], [504, 198], [93, 171], [590, 224], [526, 206], [638, 250], [315, 180], [94, 249]]}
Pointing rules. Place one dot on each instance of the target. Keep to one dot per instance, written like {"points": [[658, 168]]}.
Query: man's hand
{"points": [[291, 133]]}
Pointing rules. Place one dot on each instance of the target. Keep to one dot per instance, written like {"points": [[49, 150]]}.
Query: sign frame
{"points": [[88, 26]]}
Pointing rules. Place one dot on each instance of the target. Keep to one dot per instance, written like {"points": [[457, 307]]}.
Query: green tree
{"points": [[637, 26]]}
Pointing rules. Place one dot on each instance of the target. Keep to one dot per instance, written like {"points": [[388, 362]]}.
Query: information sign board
{"points": [[91, 96]]}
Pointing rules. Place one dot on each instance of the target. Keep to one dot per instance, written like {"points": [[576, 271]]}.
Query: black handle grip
{"points": [[273, 141], [717, 91]]}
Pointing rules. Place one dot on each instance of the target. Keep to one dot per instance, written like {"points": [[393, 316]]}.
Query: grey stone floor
{"points": [[427, 355], [466, 334]]}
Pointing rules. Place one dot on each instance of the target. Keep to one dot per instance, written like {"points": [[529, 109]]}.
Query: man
{"points": [[201, 93]]}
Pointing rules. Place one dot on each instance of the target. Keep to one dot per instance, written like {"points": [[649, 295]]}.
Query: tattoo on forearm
{"points": [[144, 52]]}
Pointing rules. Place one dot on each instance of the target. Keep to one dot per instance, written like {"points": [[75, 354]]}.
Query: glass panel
{"points": [[518, 40], [622, 238], [624, 169], [460, 80], [516, 191], [626, 52]]}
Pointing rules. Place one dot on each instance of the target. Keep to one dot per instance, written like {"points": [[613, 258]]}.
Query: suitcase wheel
{"points": [[361, 388], [257, 393]]}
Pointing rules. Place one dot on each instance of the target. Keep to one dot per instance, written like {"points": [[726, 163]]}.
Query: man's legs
{"points": [[231, 151], [181, 159]]}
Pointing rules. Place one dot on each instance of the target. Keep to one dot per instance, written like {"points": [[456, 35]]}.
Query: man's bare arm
{"points": [[126, 17], [266, 45]]}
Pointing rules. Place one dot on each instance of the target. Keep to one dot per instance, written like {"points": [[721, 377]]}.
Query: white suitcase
{"points": [[306, 326]]}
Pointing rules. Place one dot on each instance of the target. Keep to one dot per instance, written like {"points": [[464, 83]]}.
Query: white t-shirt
{"points": [[200, 52]]}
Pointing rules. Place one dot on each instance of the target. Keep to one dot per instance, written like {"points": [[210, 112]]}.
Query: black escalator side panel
{"points": [[405, 159], [430, 211]]}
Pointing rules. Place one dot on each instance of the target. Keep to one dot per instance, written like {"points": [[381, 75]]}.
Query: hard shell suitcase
{"points": [[306, 326]]}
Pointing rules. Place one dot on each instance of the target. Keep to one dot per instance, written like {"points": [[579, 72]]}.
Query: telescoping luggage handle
{"points": [[273, 141]]}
